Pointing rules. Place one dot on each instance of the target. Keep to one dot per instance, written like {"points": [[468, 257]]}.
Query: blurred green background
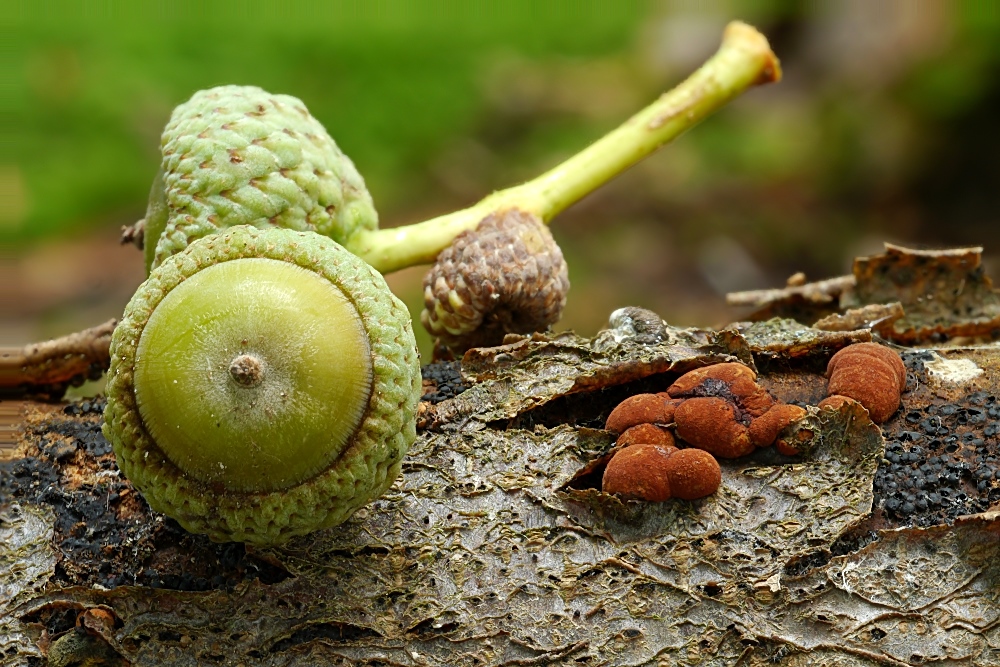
{"points": [[883, 129]]}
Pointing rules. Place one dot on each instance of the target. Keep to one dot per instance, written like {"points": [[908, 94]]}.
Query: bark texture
{"points": [[496, 547]]}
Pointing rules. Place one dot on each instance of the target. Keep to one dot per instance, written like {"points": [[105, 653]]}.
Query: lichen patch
{"points": [[952, 371]]}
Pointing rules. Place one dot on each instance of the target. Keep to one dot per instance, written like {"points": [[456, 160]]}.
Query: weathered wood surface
{"points": [[11, 417], [490, 551], [877, 546]]}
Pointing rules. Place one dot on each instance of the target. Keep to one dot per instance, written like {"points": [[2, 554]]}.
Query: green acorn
{"points": [[263, 384]]}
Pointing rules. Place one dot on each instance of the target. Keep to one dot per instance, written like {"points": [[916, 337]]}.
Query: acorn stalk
{"points": [[743, 60]]}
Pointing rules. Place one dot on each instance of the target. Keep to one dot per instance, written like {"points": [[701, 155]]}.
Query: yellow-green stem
{"points": [[743, 60]]}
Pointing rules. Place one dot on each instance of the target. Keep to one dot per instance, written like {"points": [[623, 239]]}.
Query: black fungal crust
{"points": [[105, 533], [442, 380], [942, 457]]}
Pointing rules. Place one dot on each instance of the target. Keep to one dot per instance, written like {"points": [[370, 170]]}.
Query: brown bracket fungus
{"points": [[641, 409], [719, 408], [732, 381], [871, 374], [766, 429], [720, 402], [693, 474], [715, 425], [655, 473]]}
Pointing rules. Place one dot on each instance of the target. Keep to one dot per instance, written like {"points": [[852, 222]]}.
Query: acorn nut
{"points": [[263, 384]]}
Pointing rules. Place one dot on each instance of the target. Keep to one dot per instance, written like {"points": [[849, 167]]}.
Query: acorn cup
{"points": [[505, 276], [263, 384]]}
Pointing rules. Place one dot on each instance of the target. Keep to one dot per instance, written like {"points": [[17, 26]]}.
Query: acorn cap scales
{"points": [[239, 155]]}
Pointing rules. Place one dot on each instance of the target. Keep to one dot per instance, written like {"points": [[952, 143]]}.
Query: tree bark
{"points": [[496, 546]]}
